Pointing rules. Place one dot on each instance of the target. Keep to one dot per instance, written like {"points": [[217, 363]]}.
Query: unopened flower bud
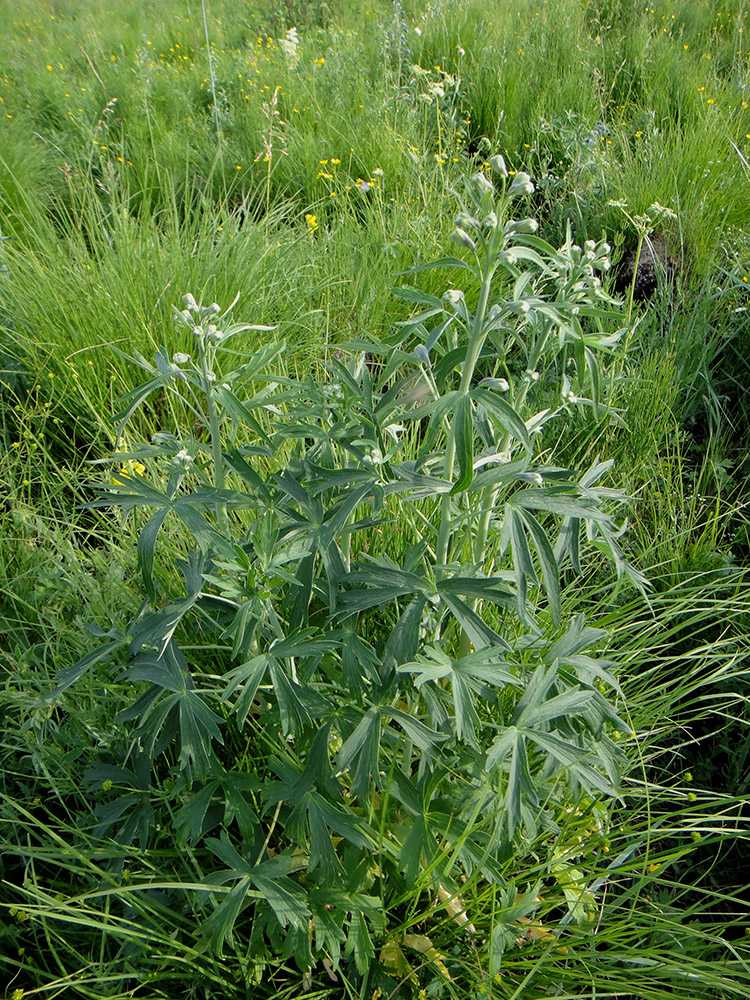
{"points": [[182, 460], [527, 226], [180, 359], [462, 239], [589, 246], [465, 221], [481, 185], [454, 296], [521, 184], [498, 384], [498, 165], [190, 302], [490, 221], [183, 316], [420, 353]]}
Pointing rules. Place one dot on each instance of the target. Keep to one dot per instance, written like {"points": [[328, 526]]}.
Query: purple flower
{"points": [[364, 186]]}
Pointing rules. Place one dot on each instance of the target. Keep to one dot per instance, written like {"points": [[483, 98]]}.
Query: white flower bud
{"points": [[454, 296], [521, 226], [498, 165], [589, 246], [521, 184], [481, 185], [490, 221], [183, 316], [182, 460], [465, 221], [499, 384], [190, 302], [462, 239], [180, 359]]}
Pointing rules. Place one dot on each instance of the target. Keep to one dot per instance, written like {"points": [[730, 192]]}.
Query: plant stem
{"points": [[476, 342], [214, 430]]}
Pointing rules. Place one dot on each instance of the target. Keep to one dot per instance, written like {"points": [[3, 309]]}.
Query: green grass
{"points": [[122, 187]]}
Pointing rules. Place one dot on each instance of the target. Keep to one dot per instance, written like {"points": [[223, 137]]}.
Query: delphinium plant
{"points": [[364, 699]]}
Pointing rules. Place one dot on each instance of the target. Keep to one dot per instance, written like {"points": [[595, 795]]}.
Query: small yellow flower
{"points": [[710, 101], [129, 468], [312, 221], [319, 62]]}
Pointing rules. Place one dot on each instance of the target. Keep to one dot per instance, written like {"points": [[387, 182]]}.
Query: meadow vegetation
{"points": [[373, 559]]}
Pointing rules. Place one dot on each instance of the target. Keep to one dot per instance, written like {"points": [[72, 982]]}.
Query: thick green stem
{"points": [[214, 431], [476, 342], [489, 497]]}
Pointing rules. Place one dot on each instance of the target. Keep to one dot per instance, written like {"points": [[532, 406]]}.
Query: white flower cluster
{"points": [[289, 46]]}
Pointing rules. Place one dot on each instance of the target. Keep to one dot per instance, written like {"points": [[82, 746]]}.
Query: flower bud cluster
{"points": [[198, 319], [522, 184], [332, 393], [182, 460]]}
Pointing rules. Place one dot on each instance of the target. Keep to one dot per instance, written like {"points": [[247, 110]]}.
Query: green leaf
{"points": [[441, 262], [359, 943], [463, 429], [414, 295], [422, 736], [570, 703], [286, 898], [146, 544], [294, 714], [403, 641], [479, 632], [513, 527], [504, 413], [190, 819], [218, 927], [520, 790], [438, 411], [70, 675], [359, 754], [550, 570]]}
